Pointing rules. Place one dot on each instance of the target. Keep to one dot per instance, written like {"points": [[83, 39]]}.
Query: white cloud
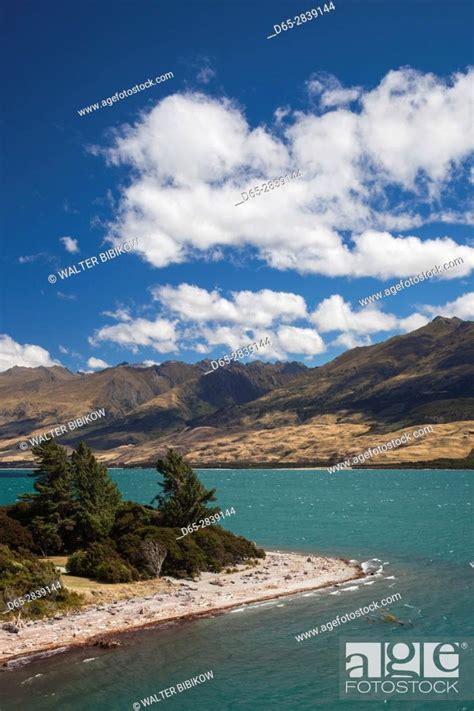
{"points": [[148, 363], [27, 355], [192, 318], [95, 363], [404, 256], [191, 156], [201, 348], [206, 72], [300, 340], [349, 340], [335, 314], [416, 123], [462, 307], [252, 309], [70, 244], [66, 297], [330, 92], [411, 323], [119, 315], [29, 258], [159, 334]]}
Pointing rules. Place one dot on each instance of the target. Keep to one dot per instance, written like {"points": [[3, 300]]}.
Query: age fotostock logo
{"points": [[407, 669]]}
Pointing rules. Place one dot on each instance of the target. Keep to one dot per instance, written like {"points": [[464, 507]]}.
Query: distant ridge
{"points": [[261, 412]]}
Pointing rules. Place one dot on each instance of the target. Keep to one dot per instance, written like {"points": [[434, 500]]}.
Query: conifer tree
{"points": [[96, 496], [52, 505], [184, 498]]}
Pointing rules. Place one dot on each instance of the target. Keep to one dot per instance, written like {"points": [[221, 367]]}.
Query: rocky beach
{"points": [[279, 574]]}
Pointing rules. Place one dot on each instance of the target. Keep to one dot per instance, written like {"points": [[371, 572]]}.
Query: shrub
{"points": [[209, 549], [144, 553], [113, 571], [184, 559], [225, 547], [13, 534], [22, 573], [101, 561]]}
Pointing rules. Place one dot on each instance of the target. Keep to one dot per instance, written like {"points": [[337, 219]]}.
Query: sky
{"points": [[368, 105]]}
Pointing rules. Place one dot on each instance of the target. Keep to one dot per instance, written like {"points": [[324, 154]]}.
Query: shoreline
{"points": [[307, 572], [465, 464]]}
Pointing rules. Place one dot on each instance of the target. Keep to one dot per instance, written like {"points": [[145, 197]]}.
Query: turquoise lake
{"points": [[419, 523]]}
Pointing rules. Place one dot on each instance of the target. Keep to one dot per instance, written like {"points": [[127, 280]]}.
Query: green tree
{"points": [[96, 496], [183, 499], [51, 506]]}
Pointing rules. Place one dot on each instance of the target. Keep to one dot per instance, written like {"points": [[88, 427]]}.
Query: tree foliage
{"points": [[184, 498], [96, 496], [75, 499], [23, 573], [52, 506], [77, 508]]}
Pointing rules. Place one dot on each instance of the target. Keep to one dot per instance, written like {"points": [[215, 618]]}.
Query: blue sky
{"points": [[370, 101]]}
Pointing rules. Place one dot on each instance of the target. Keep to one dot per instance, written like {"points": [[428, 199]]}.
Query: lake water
{"points": [[419, 523]]}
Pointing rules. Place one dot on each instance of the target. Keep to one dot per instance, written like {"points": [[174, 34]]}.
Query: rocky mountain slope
{"points": [[263, 413], [140, 402]]}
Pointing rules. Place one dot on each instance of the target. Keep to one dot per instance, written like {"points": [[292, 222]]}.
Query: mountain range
{"points": [[281, 414]]}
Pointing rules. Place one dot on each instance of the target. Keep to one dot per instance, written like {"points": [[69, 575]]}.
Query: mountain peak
{"points": [[447, 319]]}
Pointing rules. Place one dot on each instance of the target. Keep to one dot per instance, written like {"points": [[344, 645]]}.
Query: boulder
{"points": [[372, 566], [107, 643], [10, 627]]}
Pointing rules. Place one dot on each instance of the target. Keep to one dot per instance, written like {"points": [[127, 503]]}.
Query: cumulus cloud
{"points": [[367, 173], [335, 314], [26, 356], [253, 309], [329, 90], [300, 340], [412, 122], [96, 363], [404, 256], [70, 244], [462, 307], [159, 334], [192, 318], [349, 340]]}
